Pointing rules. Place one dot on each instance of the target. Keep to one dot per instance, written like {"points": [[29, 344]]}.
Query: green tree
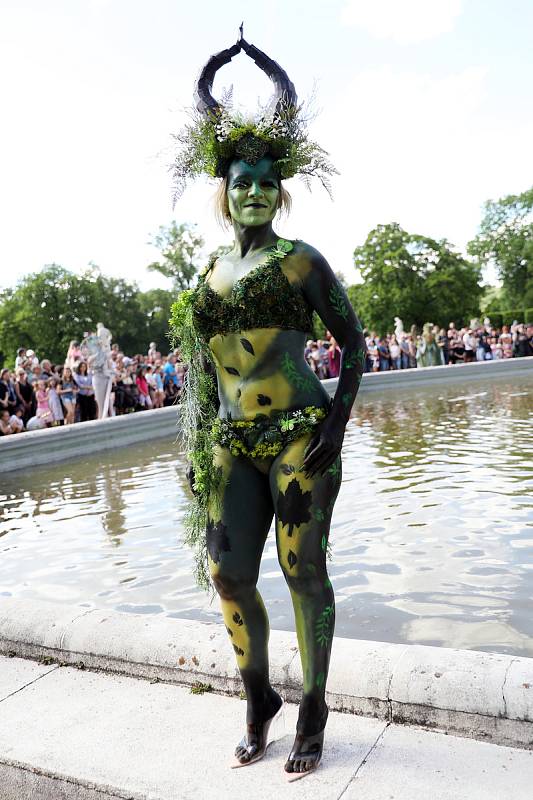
{"points": [[155, 305], [49, 308], [414, 277], [506, 238], [180, 249]]}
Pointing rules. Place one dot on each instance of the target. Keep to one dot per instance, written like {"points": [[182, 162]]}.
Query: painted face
{"points": [[253, 192]]}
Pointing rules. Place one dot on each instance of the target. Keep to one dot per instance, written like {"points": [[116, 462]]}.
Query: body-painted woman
{"points": [[271, 448]]}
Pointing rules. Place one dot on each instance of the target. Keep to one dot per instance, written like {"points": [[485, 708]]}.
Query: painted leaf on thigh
{"points": [[293, 506], [217, 540]]}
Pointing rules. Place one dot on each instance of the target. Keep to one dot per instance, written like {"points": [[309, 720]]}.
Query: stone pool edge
{"points": [[35, 448], [485, 696]]}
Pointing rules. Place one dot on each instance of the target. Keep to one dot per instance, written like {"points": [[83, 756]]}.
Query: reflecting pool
{"points": [[432, 532]]}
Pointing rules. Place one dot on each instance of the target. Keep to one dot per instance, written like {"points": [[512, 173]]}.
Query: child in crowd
{"points": [[44, 412], [159, 390], [15, 420], [5, 427], [54, 401]]}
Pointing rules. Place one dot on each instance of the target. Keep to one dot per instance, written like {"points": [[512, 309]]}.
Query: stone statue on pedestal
{"points": [[98, 346]]}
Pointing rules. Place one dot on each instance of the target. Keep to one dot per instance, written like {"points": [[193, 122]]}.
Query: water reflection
{"points": [[432, 532]]}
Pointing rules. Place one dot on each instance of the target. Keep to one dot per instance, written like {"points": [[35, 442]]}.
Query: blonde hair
{"points": [[220, 201]]}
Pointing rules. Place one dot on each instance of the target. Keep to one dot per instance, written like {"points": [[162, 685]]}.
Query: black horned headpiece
{"points": [[285, 93], [218, 133]]}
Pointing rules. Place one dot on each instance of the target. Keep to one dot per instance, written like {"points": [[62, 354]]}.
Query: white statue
{"points": [[398, 328], [98, 346]]}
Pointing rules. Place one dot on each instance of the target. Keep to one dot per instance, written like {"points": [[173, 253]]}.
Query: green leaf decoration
{"points": [[251, 148], [217, 540], [209, 144], [324, 543], [248, 346], [350, 359], [284, 245], [359, 327], [324, 626], [335, 469], [319, 515], [347, 399], [293, 376], [320, 680], [311, 569], [327, 584], [338, 302], [293, 506], [354, 358]]}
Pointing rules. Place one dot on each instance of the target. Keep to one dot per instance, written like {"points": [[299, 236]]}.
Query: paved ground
{"points": [[68, 733]]}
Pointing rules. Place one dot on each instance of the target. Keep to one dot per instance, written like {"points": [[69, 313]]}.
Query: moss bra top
{"points": [[263, 298]]}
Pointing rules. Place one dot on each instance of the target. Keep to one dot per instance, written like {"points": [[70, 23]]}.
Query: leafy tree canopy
{"points": [[155, 305], [506, 238], [180, 248], [47, 309], [413, 277]]}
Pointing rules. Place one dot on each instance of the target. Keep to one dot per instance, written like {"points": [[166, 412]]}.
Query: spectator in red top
{"points": [[144, 398]]}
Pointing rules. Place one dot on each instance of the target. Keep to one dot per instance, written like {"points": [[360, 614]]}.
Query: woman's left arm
{"points": [[327, 297]]}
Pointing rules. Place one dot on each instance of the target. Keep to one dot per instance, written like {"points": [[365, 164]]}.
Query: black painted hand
{"points": [[324, 447], [189, 474]]}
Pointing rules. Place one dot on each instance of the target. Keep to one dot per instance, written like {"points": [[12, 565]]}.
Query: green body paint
{"points": [[293, 376], [354, 358], [323, 628], [336, 298], [253, 333], [335, 469]]}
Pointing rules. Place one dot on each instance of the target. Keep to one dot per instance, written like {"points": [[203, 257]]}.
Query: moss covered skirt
{"points": [[266, 436]]}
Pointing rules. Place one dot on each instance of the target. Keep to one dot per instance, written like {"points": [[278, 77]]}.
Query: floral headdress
{"points": [[218, 134]]}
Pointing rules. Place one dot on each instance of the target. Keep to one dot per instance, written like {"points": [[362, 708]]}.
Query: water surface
{"points": [[432, 531]]}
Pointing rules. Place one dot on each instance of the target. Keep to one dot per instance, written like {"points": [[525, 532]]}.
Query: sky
{"points": [[424, 106]]}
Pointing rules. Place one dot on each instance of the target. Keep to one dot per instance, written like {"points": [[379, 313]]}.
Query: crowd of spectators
{"points": [[480, 342], [40, 394]]}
